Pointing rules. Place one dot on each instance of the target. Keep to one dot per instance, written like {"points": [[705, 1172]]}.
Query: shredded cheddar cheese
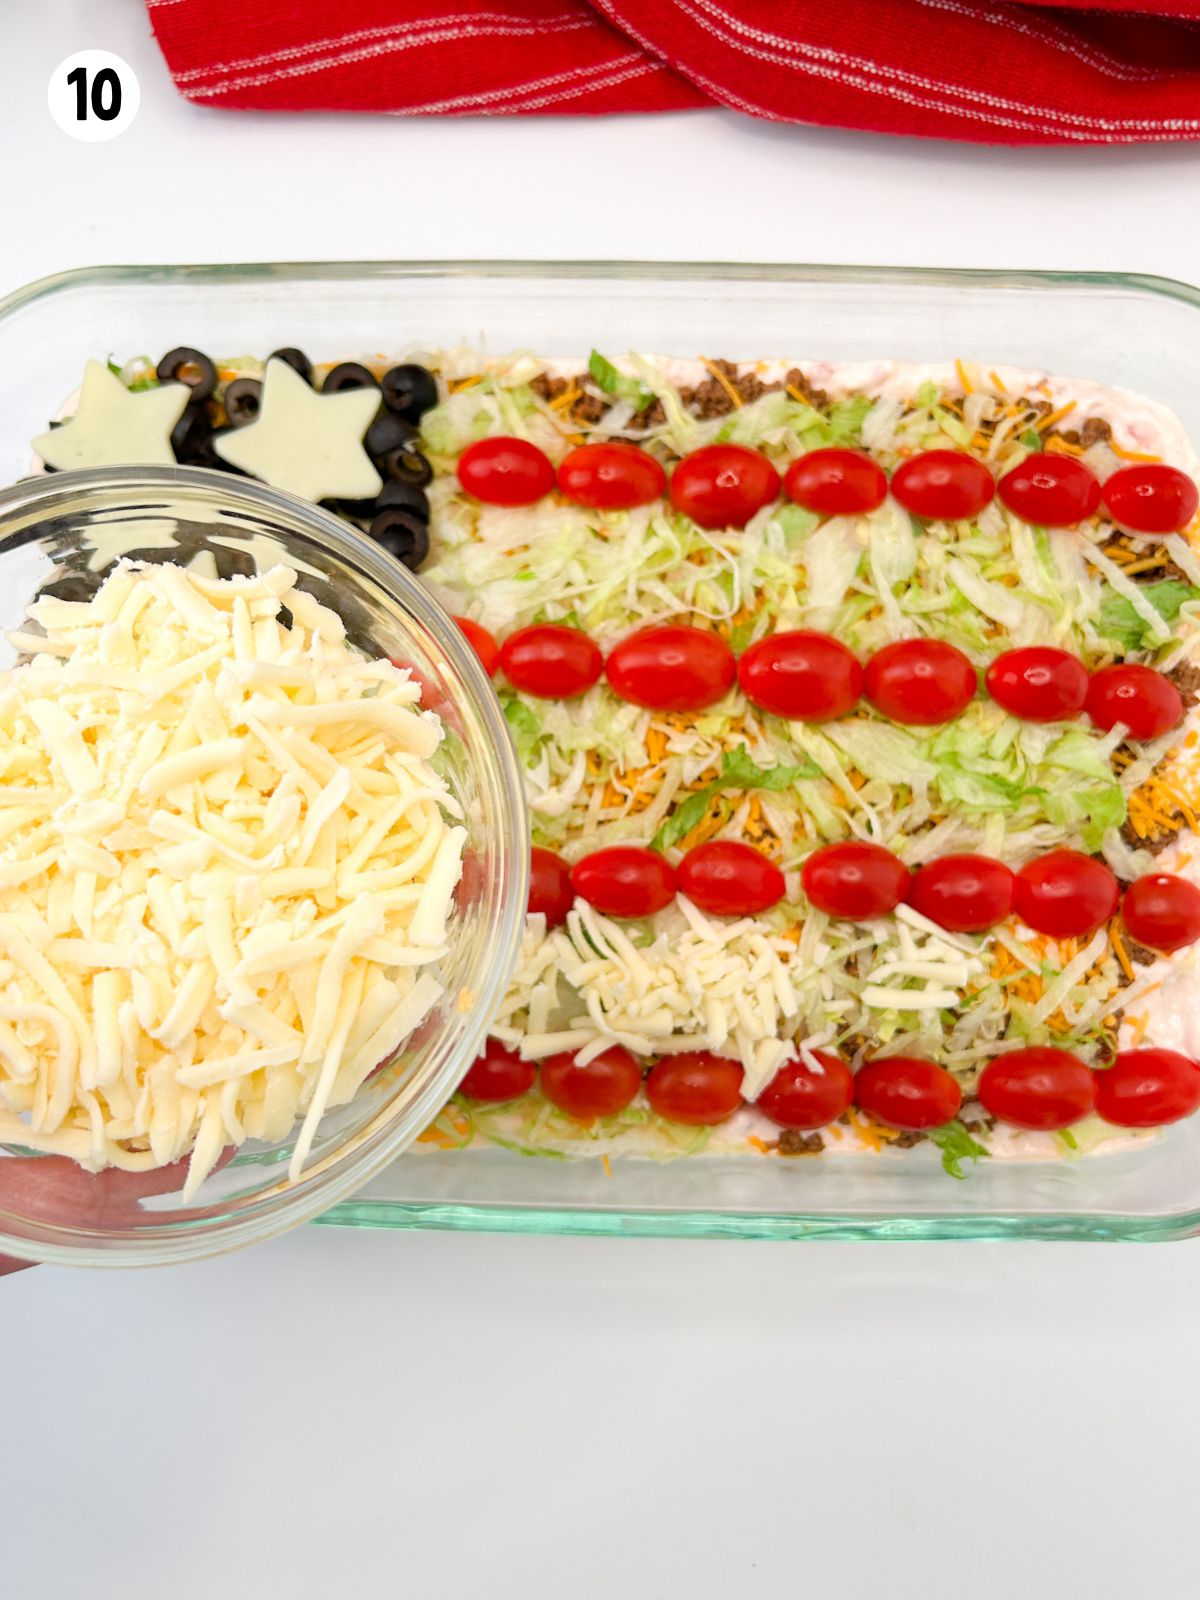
{"points": [[1132, 455], [1056, 415]]}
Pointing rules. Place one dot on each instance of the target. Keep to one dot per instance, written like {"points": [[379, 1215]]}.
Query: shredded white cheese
{"points": [[706, 984], [226, 869]]}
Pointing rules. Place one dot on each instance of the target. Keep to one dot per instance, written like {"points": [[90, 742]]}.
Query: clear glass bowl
{"points": [[1139, 332], [61, 534]]}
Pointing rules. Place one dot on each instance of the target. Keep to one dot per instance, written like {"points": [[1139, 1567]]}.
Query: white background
{"points": [[381, 1414]]}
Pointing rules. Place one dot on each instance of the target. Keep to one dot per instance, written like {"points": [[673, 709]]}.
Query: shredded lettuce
{"points": [[738, 771], [845, 418], [137, 374], [616, 383], [957, 1146], [1118, 620], [458, 421], [523, 723]]}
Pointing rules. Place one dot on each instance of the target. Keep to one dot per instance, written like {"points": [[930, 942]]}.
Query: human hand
{"points": [[54, 1189]]}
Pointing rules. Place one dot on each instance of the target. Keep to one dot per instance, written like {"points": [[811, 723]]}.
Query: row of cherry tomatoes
{"points": [[813, 677], [1039, 1089], [723, 485], [1064, 894]]}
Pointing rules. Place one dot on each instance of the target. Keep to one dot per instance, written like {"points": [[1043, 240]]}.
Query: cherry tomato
{"points": [[624, 881], [1162, 911], [1053, 491], [497, 1073], [482, 642], [695, 1087], [1038, 1088], [1147, 703], [671, 668], [1065, 894], [550, 889], [472, 879], [1146, 1088], [611, 477], [809, 677], [907, 1093], [855, 880], [551, 661], [601, 1088], [1151, 498], [943, 485], [798, 1097], [836, 483], [963, 894], [1038, 683], [723, 485], [920, 681], [730, 879], [432, 698], [505, 471]]}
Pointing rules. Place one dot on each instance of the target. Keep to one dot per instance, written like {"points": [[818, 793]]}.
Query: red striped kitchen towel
{"points": [[1072, 72]]}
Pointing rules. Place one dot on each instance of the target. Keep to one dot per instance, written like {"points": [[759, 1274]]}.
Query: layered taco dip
{"points": [[855, 707]]}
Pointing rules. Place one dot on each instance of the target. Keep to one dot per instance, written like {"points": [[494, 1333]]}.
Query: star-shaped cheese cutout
{"points": [[309, 443], [114, 427]]}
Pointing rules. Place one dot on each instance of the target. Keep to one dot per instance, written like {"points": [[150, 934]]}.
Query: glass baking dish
{"points": [[1138, 332]]}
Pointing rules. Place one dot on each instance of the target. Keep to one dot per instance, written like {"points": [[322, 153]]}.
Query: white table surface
{"points": [[364, 1414]]}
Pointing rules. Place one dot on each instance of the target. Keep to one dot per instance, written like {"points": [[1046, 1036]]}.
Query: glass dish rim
{"points": [[329, 1181], [764, 1223], [342, 269]]}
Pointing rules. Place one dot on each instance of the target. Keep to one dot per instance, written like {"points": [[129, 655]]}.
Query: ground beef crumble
{"points": [[796, 380], [1155, 845], [792, 1142], [1041, 408], [652, 417], [1094, 431], [1139, 954], [705, 400], [590, 408], [1164, 568], [548, 388], [1186, 679], [711, 398]]}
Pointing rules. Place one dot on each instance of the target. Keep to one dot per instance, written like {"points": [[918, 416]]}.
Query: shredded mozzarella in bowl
{"points": [[226, 871]]}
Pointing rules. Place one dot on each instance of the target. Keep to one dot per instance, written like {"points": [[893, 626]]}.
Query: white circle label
{"points": [[93, 95]]}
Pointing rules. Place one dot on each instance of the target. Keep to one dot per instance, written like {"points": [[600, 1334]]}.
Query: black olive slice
{"points": [[410, 390], [408, 497], [191, 437], [402, 535], [243, 401], [348, 375], [406, 465], [296, 359], [388, 432], [193, 367]]}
